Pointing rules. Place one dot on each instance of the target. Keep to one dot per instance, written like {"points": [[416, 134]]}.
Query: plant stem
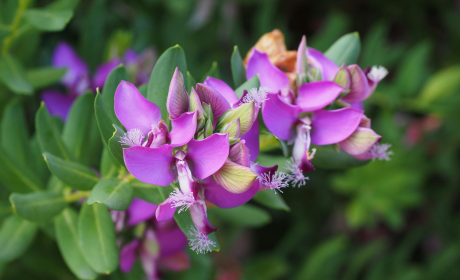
{"points": [[22, 6]]}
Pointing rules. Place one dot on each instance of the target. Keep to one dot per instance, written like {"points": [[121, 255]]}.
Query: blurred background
{"points": [[384, 220]]}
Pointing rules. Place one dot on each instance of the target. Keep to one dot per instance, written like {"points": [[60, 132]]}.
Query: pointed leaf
{"points": [[191, 82], [68, 242], [104, 118], [238, 69], [96, 231], [249, 84], [38, 206], [115, 147], [114, 78], [13, 76], [115, 193], [242, 216], [16, 235], [48, 20], [345, 50], [212, 72], [271, 199], [45, 76]]}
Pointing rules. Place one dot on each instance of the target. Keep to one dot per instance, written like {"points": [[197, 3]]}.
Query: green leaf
{"points": [[143, 89], [104, 118], [77, 126], [108, 92], [16, 235], [191, 82], [212, 72], [441, 85], [267, 267], [271, 199], [115, 146], [345, 50], [45, 76], [69, 244], [38, 206], [16, 177], [97, 237], [243, 216], [49, 135], [14, 135], [48, 20], [115, 193], [238, 69], [184, 221], [13, 76], [282, 144], [162, 73], [75, 175], [147, 192], [109, 166], [361, 257], [59, 5], [249, 84], [327, 157]]}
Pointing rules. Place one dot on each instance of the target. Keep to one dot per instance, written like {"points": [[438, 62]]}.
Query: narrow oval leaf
{"points": [[38, 206], [441, 85], [242, 216], [16, 235], [68, 242], [13, 76], [45, 76], [238, 69], [249, 84], [191, 82], [271, 199], [104, 118], [212, 72], [157, 91], [110, 86], [109, 166], [115, 146], [147, 192], [345, 50], [78, 124], [49, 136], [48, 20], [96, 231], [115, 193], [75, 175]]}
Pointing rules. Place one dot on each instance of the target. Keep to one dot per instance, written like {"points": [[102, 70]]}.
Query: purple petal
{"points": [[128, 255], [359, 87], [200, 218], [260, 170], [165, 211], [239, 154], [183, 129], [150, 165], [150, 255], [177, 262], [171, 241], [103, 71], [133, 110], [252, 140], [330, 127], [319, 60], [357, 105], [177, 102], [208, 155], [57, 103], [279, 117], [225, 90], [360, 141], [269, 75], [212, 97], [317, 95], [216, 194], [130, 57], [140, 211], [77, 76]]}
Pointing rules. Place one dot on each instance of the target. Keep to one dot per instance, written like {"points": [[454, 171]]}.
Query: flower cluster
{"points": [[210, 143]]}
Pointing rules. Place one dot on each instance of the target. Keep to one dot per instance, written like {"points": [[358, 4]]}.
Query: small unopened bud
{"points": [[342, 77], [208, 129]]}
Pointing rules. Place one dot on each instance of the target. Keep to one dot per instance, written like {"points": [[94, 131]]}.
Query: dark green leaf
{"points": [[271, 199], [75, 175], [78, 124], [108, 92], [45, 76], [60, 5], [97, 237], [345, 50], [191, 82], [36, 160], [16, 235], [109, 166], [49, 136], [48, 20], [162, 73], [69, 244], [238, 69], [115, 193], [38, 206], [212, 72], [115, 146], [267, 267], [146, 191], [249, 84], [327, 157], [13, 76], [243, 216], [104, 118]]}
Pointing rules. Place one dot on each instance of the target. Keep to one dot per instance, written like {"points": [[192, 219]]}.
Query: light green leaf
{"points": [[441, 85], [162, 73], [345, 50], [38, 206], [238, 69], [271, 199], [13, 76], [96, 231], [16, 235], [115, 146], [48, 20], [242, 216], [249, 84], [68, 241], [115, 193], [75, 175], [45, 76]]}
